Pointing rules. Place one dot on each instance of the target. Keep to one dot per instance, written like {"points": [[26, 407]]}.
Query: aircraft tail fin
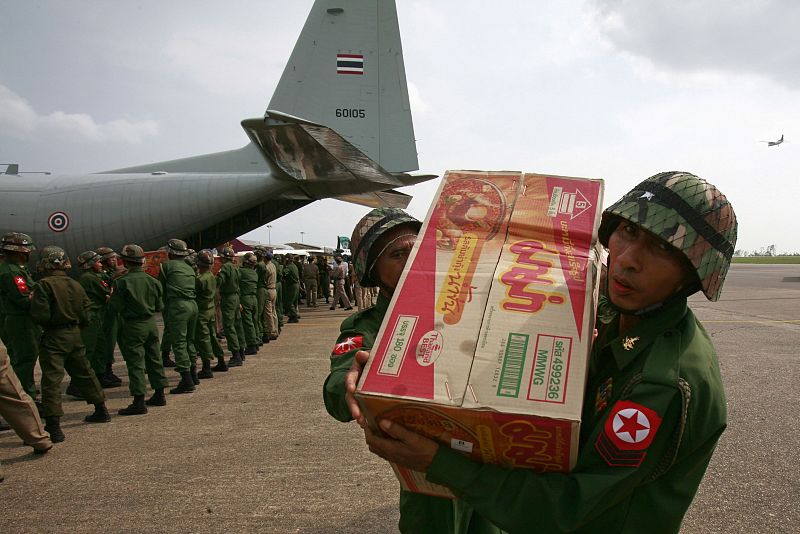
{"points": [[346, 72]]}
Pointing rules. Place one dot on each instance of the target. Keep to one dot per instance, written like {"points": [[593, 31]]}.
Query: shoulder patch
{"points": [[628, 432], [22, 285], [350, 343]]}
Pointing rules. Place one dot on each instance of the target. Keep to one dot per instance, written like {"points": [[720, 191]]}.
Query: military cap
{"points": [[686, 212], [249, 259], [54, 258], [105, 252], [17, 242], [373, 225], [87, 259], [132, 253], [205, 257], [177, 247], [227, 253]]}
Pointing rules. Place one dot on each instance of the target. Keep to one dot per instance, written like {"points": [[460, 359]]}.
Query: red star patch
{"points": [[351, 343], [628, 432]]}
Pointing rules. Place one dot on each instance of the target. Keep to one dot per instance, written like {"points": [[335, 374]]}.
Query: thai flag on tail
{"points": [[349, 64]]}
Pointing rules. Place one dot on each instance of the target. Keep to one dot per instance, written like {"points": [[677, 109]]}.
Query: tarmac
{"points": [[253, 450]]}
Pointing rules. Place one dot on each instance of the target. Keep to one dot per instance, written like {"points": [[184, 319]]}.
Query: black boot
{"points": [[241, 354], [221, 366], [52, 425], [205, 372], [166, 360], [193, 374], [111, 377], [264, 339], [137, 407], [158, 398], [100, 414], [186, 385], [236, 360], [73, 391], [251, 349], [106, 382]]}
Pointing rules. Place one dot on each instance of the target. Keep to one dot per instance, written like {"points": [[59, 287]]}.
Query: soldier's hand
{"points": [[402, 446], [350, 383]]}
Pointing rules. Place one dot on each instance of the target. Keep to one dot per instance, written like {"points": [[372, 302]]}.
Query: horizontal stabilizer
{"points": [[379, 199], [312, 152]]}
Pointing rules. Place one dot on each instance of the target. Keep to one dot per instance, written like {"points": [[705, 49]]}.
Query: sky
{"points": [[611, 89]]}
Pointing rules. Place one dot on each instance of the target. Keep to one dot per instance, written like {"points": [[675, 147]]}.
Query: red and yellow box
{"points": [[485, 344]]}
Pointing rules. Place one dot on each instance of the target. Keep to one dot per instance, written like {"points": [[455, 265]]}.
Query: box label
{"points": [[513, 365], [398, 346], [550, 369]]}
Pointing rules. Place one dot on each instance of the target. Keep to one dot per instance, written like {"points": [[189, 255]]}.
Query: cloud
{"points": [[21, 121], [735, 36]]}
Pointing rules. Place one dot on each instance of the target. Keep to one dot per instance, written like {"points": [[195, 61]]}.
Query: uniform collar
{"points": [[382, 304], [630, 345]]}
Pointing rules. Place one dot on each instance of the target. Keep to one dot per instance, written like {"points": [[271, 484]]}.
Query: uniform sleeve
{"points": [[17, 289], [117, 296], [40, 305], [516, 499], [159, 297], [350, 341], [83, 313]]}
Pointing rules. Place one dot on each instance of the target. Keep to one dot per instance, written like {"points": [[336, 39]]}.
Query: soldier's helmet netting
{"points": [[17, 242], [205, 257], [88, 258], [368, 230], [687, 212], [132, 253], [227, 252], [250, 259], [177, 247], [54, 259]]}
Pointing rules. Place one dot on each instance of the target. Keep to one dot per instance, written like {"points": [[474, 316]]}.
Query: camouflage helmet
{"points": [[205, 257], [17, 242], [191, 258], [177, 247], [373, 225], [249, 259], [87, 259], [687, 212], [260, 251], [132, 253], [105, 253], [54, 258], [227, 253]]}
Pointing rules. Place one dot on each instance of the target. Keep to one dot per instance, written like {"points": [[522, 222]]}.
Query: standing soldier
{"points": [[311, 280], [16, 286], [108, 336], [270, 314], [206, 334], [261, 293], [136, 298], [178, 281], [324, 279], [228, 287], [248, 287], [291, 289], [279, 311], [338, 274], [99, 292], [60, 306], [166, 334]]}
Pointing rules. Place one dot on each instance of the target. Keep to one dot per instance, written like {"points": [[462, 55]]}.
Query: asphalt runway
{"points": [[253, 450]]}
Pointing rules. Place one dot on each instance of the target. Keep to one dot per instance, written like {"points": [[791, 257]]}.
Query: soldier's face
{"points": [[643, 270], [97, 267], [111, 262], [391, 262]]}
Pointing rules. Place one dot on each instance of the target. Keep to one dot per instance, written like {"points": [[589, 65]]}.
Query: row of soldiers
{"points": [[73, 326]]}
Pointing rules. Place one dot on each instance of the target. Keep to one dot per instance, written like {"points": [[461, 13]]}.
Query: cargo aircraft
{"points": [[338, 126]]}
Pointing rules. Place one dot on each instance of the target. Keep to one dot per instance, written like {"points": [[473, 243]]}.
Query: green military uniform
{"points": [[291, 290], [136, 298], [248, 290], [228, 287], [60, 306], [178, 281], [279, 311], [206, 334], [324, 281], [98, 290], [261, 294], [22, 335], [110, 325]]}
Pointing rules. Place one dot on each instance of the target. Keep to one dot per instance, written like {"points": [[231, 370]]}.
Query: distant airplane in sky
{"points": [[338, 126], [774, 143]]}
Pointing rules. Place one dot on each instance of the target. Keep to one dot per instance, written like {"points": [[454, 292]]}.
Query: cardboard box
{"points": [[485, 344]]}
